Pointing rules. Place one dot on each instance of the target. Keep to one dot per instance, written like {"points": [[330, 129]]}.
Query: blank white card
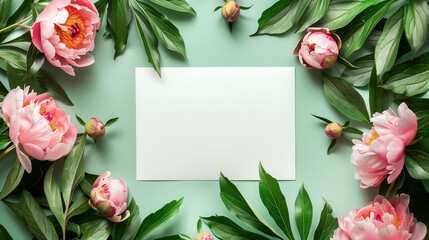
{"points": [[194, 123]]}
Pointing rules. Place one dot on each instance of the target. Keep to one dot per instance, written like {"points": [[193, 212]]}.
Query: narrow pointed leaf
{"points": [[322, 118], [53, 196], [224, 228], [13, 179], [175, 5], [377, 95], [327, 224], [52, 87], [315, 11], [96, 230], [303, 213], [15, 59], [78, 207], [416, 20], [4, 234], [331, 146], [199, 225], [111, 121], [16, 209], [118, 21]]}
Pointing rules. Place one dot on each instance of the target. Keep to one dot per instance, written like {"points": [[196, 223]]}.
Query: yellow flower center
{"points": [[374, 136], [51, 119], [76, 30], [397, 222]]}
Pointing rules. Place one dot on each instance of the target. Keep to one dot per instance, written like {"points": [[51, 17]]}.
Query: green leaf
{"points": [[175, 5], [13, 179], [417, 163], [387, 46], [79, 119], [72, 171], [53, 196], [87, 182], [389, 190], [303, 213], [5, 8], [363, 25], [175, 237], [238, 205], [281, 16], [78, 207], [346, 63], [149, 40], [342, 12], [71, 226], [345, 98], [352, 133], [4, 141], [164, 30], [128, 228], [315, 11], [34, 12], [52, 87], [15, 59], [246, 8], [224, 228], [327, 224], [217, 8], [111, 121], [16, 209], [322, 118], [199, 225], [331, 146], [21, 42], [21, 12], [96, 230], [37, 222], [410, 77], [35, 60], [377, 95], [101, 6], [4, 234], [118, 22], [274, 201], [159, 219], [416, 18]]}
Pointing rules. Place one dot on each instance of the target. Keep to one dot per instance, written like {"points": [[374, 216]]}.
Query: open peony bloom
{"points": [[37, 126], [318, 48], [64, 31], [381, 220], [203, 236], [109, 197], [382, 151]]}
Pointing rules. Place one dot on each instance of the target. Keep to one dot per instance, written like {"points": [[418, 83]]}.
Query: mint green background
{"points": [[106, 89]]}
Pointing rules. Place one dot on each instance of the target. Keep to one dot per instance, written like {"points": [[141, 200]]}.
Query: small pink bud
{"points": [[230, 11], [333, 130], [109, 197], [203, 236], [95, 128], [318, 48]]}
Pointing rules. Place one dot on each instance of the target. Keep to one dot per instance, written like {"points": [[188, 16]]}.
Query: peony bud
{"points": [[95, 128], [318, 48], [333, 130], [109, 197], [203, 236], [230, 11]]}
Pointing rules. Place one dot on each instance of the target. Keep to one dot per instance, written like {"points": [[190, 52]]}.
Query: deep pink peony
{"points": [[381, 220], [382, 151], [109, 197], [64, 31], [37, 126], [318, 48]]}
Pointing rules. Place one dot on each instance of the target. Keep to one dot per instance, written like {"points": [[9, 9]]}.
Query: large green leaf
{"points": [[96, 230], [387, 46], [13, 179], [342, 12], [72, 173], [4, 234], [37, 222], [52, 87], [128, 228], [16, 209], [149, 40], [315, 11], [377, 95], [417, 163], [53, 196], [4, 140], [303, 213], [410, 77], [416, 19], [359, 77], [274, 201], [21, 13], [327, 224], [238, 205], [159, 219], [15, 59], [175, 5], [281, 16], [5, 8], [363, 25], [101, 6], [224, 228], [345, 98], [117, 17], [78, 207], [164, 30]]}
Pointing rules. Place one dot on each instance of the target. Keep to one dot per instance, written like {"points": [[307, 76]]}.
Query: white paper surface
{"points": [[195, 122]]}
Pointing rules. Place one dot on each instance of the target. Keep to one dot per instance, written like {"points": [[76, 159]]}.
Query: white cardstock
{"points": [[194, 123]]}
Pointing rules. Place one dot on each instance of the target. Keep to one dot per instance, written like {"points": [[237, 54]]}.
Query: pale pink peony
{"points": [[64, 31], [203, 236], [318, 48], [381, 220], [382, 151], [37, 126], [109, 197]]}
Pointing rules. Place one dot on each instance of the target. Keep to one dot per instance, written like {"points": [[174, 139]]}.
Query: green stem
{"points": [[6, 151], [16, 24]]}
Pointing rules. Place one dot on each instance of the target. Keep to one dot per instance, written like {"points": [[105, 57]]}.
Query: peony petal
{"points": [[12, 102], [407, 126], [23, 158], [418, 232], [391, 233], [364, 231]]}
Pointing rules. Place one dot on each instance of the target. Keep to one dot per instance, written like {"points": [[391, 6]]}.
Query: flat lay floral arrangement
{"points": [[372, 45]]}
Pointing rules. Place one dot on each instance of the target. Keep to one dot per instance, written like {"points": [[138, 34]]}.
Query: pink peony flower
{"points": [[109, 197], [95, 128], [230, 11], [318, 48], [203, 236], [333, 130], [381, 220], [64, 31], [37, 126], [382, 151]]}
